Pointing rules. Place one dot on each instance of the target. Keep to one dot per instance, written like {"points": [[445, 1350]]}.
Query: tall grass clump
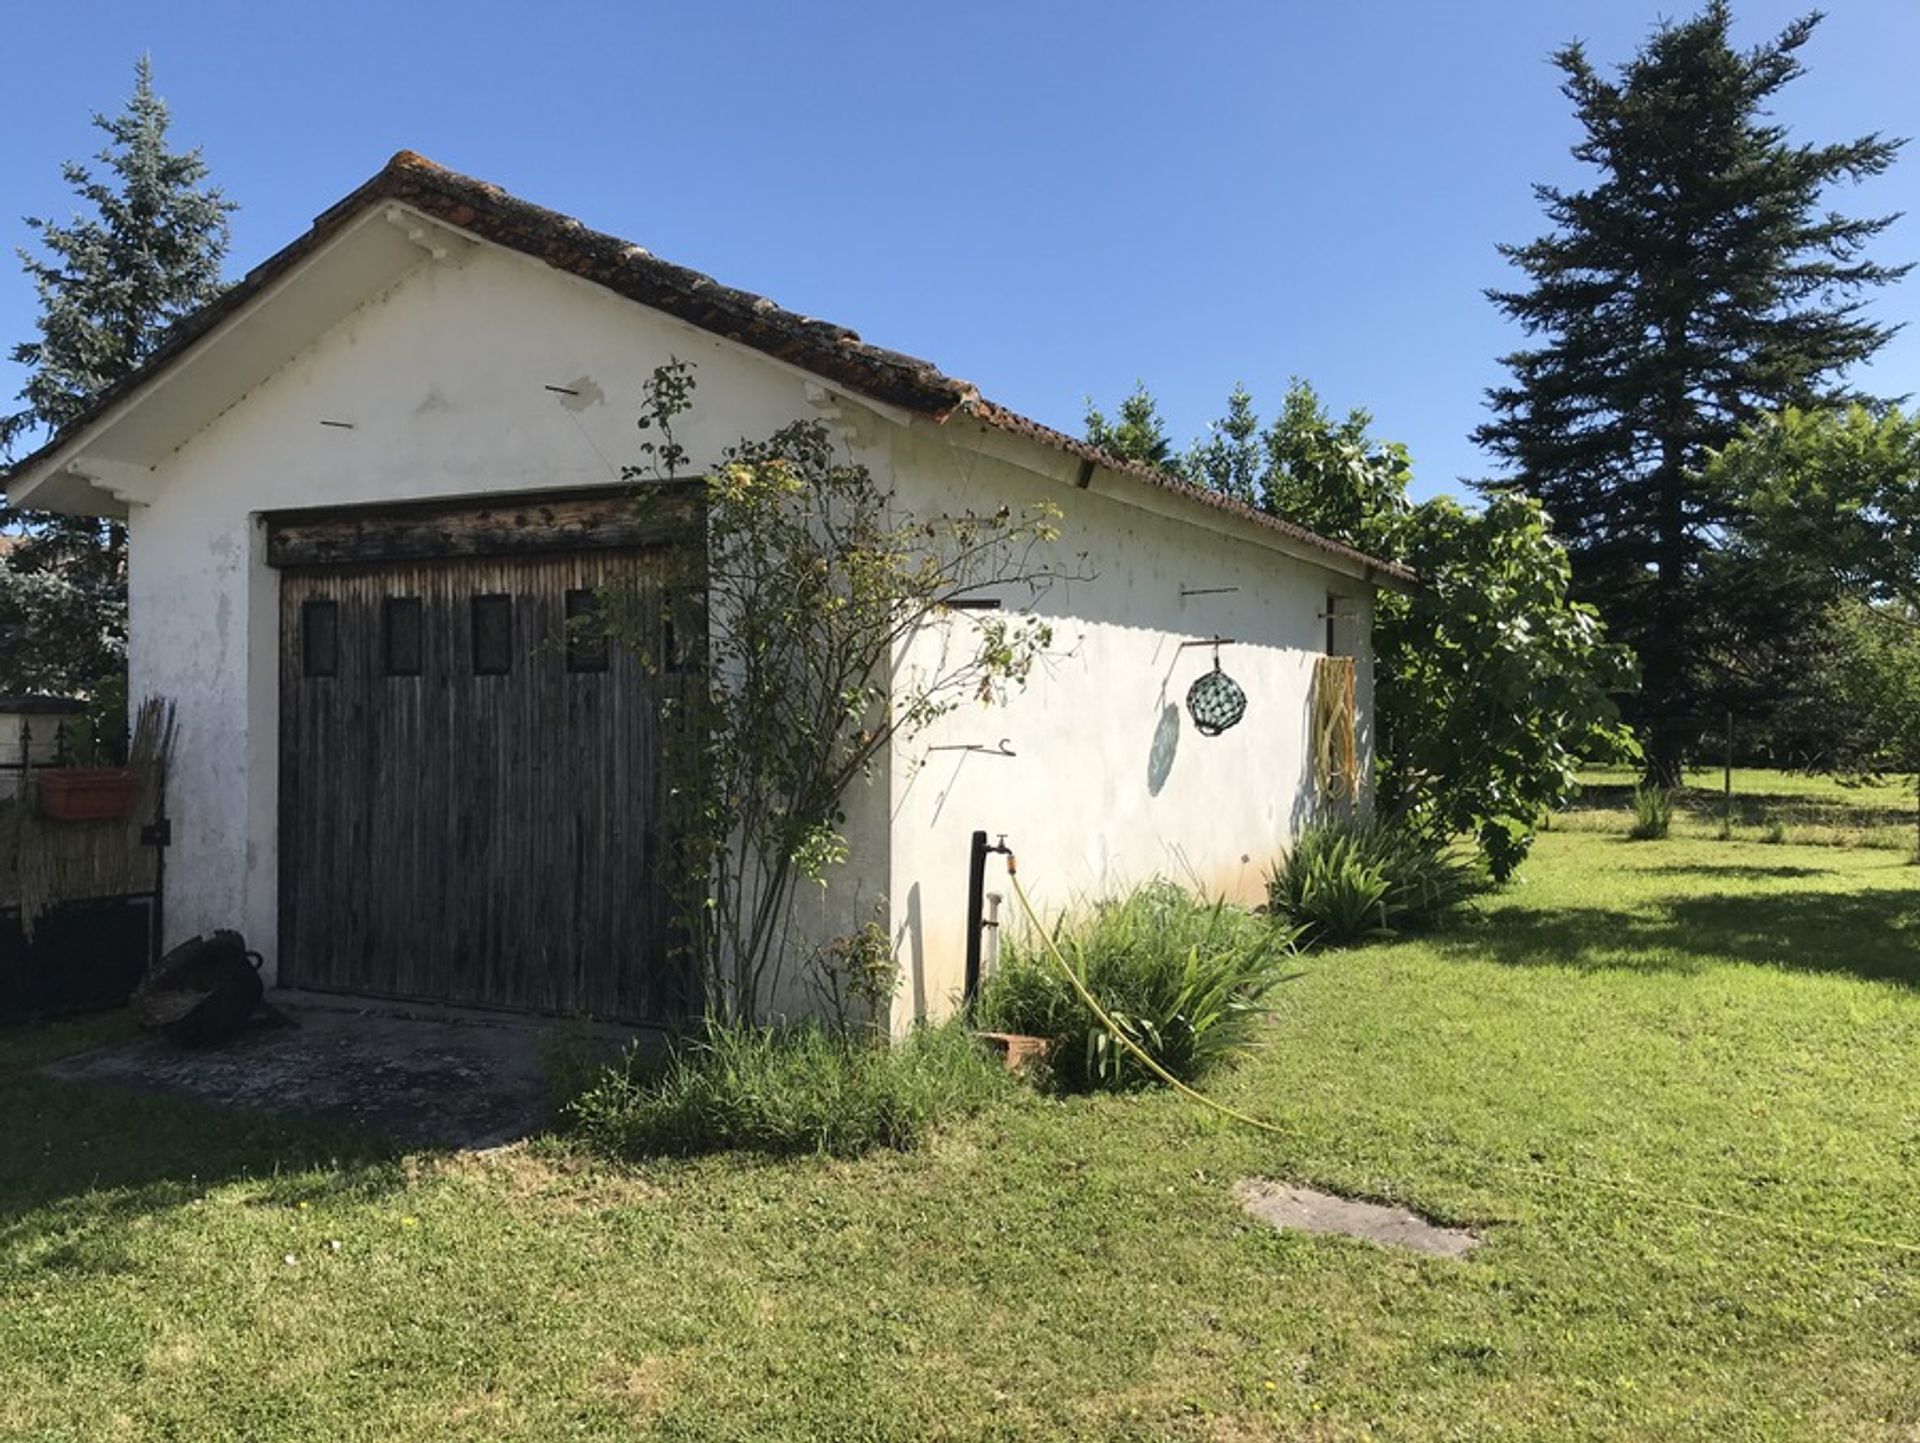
{"points": [[1185, 979], [786, 1090], [1652, 813], [1347, 881]]}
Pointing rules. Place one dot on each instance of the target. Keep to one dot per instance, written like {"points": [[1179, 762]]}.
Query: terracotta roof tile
{"points": [[1005, 420], [832, 352]]}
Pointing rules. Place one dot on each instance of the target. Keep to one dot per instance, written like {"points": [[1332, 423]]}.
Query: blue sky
{"points": [[1048, 199]]}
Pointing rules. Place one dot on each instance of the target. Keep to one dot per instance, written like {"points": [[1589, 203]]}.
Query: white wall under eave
{"points": [[441, 382], [1110, 784]]}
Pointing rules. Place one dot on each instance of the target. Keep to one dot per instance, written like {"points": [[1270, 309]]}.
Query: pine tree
{"points": [[1230, 459], [1138, 435], [1699, 282], [145, 251]]}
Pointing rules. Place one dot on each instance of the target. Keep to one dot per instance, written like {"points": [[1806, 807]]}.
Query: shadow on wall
{"points": [[1163, 748], [1311, 804], [1172, 794], [1262, 600], [913, 936]]}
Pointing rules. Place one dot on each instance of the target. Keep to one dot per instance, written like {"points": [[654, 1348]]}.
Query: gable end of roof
{"points": [[831, 352]]}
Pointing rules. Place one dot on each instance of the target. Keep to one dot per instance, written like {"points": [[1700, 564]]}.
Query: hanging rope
{"points": [[1336, 752]]}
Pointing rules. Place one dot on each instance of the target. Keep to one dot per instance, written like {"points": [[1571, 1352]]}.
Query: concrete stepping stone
{"points": [[1309, 1210]]}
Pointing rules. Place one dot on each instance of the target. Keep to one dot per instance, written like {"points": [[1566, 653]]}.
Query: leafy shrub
{"points": [[1504, 843], [1347, 881], [1184, 978], [1652, 813], [574, 1062], [856, 977], [786, 1090]]}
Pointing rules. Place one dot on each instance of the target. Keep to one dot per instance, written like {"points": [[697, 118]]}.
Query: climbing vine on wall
{"points": [[813, 581]]}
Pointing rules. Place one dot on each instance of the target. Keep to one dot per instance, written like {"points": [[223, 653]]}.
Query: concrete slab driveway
{"points": [[429, 1078]]}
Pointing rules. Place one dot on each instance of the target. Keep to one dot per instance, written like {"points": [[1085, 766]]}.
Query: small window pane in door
{"points": [[492, 635], [586, 639], [401, 626], [319, 638]]}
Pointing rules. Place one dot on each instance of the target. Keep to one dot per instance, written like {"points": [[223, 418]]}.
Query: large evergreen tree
{"points": [[143, 251], [1699, 282]]}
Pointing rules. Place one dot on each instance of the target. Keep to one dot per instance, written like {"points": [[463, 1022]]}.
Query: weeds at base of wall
{"points": [[1186, 978], [1353, 881], [786, 1090]]}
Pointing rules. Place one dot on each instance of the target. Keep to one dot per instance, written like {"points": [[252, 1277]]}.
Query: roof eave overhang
{"points": [[413, 213], [107, 462], [994, 432]]}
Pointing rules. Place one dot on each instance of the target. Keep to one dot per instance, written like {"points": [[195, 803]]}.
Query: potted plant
{"points": [[87, 794], [94, 785]]}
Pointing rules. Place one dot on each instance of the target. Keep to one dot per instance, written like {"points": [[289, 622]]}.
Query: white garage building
{"points": [[362, 488]]}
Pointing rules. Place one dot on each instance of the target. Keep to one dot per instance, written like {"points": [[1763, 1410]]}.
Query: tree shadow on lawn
{"points": [[1736, 871], [81, 1165], [1871, 935], [1752, 809]]}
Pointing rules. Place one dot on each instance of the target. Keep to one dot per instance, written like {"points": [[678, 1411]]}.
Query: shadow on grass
{"points": [[81, 1166], [1872, 935], [1753, 809], [1737, 871]]}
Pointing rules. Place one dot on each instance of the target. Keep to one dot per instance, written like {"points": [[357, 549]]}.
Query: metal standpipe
{"points": [[976, 903]]}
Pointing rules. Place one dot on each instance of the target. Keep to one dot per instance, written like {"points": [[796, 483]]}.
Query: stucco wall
{"points": [[1110, 784], [442, 385], [441, 382]]}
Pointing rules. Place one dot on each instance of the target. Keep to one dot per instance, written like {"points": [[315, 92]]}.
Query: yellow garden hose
{"points": [[1118, 1032]]}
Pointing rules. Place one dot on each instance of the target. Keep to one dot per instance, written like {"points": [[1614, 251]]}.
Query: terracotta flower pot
{"points": [[87, 794], [1019, 1051]]}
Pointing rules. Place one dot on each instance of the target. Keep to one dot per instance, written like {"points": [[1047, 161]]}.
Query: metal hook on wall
{"points": [[1216, 642], [1005, 749]]}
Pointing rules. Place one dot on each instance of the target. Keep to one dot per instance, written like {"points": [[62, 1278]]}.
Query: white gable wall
{"points": [[1111, 785], [442, 383]]}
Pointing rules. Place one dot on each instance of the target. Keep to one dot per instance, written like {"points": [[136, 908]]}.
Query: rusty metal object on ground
{"points": [[203, 992]]}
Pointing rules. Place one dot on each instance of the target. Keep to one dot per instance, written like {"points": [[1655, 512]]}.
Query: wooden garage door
{"points": [[470, 805]]}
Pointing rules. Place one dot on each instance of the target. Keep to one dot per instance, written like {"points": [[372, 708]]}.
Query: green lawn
{"points": [[1767, 806], [1730, 1025]]}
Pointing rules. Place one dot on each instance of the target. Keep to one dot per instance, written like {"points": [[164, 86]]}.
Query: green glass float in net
{"points": [[1216, 702]]}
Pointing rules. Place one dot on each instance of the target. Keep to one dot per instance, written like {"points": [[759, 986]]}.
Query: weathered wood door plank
{"points": [[473, 838]]}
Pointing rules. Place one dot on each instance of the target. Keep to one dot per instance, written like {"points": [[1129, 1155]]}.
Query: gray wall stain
{"points": [[585, 392]]}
